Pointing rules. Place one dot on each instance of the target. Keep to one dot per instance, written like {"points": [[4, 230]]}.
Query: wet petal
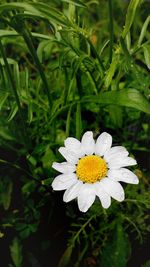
{"points": [[112, 188], [123, 175], [72, 192], [74, 145], [86, 197], [103, 196], [88, 143], [121, 162], [64, 167], [114, 152], [103, 144], [68, 155], [64, 181]]}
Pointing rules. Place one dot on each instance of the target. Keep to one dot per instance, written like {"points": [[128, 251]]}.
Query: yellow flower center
{"points": [[91, 169]]}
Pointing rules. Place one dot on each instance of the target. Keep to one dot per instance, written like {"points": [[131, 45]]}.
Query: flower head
{"points": [[93, 169]]}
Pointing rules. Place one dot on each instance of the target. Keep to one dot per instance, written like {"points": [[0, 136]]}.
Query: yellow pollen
{"points": [[91, 169]]}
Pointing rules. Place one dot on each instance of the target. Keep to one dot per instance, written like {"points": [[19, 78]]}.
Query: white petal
{"points": [[103, 144], [114, 189], [68, 155], [72, 144], [88, 143], [103, 196], [121, 162], [64, 181], [86, 197], [64, 167], [116, 151], [72, 192], [123, 175]]}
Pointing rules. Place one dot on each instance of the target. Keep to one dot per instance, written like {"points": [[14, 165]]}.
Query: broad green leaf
{"points": [[115, 114], [16, 252], [131, 98], [146, 50], [130, 15], [64, 261], [117, 249], [48, 158]]}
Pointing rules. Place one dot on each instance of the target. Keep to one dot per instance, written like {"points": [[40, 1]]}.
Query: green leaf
{"points": [[7, 33], [3, 97], [13, 111], [130, 15], [6, 134], [143, 31], [146, 264], [28, 187], [16, 252], [48, 158], [30, 112], [111, 71], [117, 249], [115, 113], [32, 160], [76, 3], [6, 194], [131, 98], [64, 261], [146, 50]]}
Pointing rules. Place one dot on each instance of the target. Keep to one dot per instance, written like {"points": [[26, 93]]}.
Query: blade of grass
{"points": [[10, 78], [111, 30], [28, 39]]}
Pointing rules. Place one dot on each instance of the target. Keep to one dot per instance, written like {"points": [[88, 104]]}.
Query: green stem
{"points": [[82, 229], [95, 54], [13, 86], [111, 30], [28, 39]]}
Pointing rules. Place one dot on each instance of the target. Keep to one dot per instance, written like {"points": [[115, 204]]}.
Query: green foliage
{"points": [[67, 67], [16, 252], [117, 249], [6, 187]]}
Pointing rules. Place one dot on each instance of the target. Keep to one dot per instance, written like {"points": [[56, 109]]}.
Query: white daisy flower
{"points": [[93, 169]]}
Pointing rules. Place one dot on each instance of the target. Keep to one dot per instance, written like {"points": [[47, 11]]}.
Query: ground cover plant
{"points": [[68, 67]]}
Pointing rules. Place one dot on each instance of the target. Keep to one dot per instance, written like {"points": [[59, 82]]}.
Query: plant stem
{"points": [[82, 229], [13, 86], [111, 30], [95, 54]]}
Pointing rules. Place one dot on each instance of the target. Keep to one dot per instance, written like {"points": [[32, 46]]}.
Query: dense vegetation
{"points": [[67, 67]]}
